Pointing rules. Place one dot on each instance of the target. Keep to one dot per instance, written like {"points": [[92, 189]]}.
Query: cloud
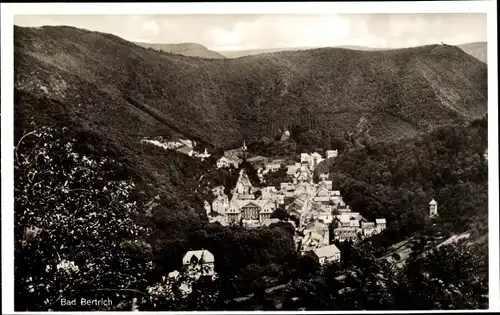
{"points": [[243, 32]]}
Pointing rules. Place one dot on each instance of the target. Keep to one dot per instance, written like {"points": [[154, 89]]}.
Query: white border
{"points": [[9, 10]]}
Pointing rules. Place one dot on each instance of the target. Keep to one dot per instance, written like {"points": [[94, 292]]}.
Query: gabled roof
{"points": [[327, 251], [251, 204], [433, 202], [204, 254]]}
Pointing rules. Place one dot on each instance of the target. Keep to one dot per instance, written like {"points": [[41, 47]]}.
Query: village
{"points": [[317, 207], [317, 211]]}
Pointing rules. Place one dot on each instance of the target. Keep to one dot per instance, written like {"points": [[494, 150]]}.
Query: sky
{"points": [[261, 31]]}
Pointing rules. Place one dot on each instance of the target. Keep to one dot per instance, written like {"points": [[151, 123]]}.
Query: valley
{"points": [[292, 180]]}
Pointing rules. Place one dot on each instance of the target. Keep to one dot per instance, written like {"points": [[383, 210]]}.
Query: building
{"points": [[368, 229], [222, 162], [325, 217], [380, 225], [316, 158], [233, 215], [220, 204], [199, 258], [250, 211], [327, 254], [343, 234], [303, 175], [320, 228], [332, 154], [272, 167], [433, 210], [305, 158]]}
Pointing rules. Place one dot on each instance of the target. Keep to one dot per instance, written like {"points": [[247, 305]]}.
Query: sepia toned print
{"points": [[251, 162]]}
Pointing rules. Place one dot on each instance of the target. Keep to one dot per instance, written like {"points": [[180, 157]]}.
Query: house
{"points": [[265, 214], [233, 215], [291, 170], [194, 258], [311, 241], [332, 154], [368, 228], [316, 158], [303, 174], [305, 158], [273, 167], [323, 177], [220, 205], [328, 184], [343, 234], [380, 224], [320, 199], [319, 228], [268, 192], [323, 190], [433, 212], [246, 197], [327, 254], [222, 162], [325, 217]]}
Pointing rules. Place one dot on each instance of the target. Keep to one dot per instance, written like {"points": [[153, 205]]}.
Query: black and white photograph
{"points": [[175, 159]]}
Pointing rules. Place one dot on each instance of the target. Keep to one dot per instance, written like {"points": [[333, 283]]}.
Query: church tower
{"points": [[433, 208]]}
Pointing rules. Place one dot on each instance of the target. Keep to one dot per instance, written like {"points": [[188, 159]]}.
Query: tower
{"points": [[433, 208]]}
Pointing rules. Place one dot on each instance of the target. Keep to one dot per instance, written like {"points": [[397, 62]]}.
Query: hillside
{"points": [[478, 50], [401, 92], [185, 49]]}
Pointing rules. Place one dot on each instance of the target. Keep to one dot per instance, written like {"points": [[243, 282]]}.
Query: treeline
{"points": [[444, 278]]}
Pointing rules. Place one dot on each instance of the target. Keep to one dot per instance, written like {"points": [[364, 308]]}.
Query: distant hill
{"points": [[478, 50], [186, 49], [253, 52], [110, 83]]}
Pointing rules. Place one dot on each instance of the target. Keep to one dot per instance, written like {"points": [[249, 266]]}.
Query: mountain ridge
{"points": [[253, 96]]}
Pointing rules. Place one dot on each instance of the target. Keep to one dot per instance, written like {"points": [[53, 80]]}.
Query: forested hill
{"points": [[401, 92], [185, 49]]}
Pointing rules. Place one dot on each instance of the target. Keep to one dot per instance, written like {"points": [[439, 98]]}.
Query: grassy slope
{"points": [[222, 101]]}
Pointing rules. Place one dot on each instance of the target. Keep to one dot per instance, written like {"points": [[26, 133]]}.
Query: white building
{"points": [[332, 154], [433, 208], [222, 162], [380, 225], [327, 254]]}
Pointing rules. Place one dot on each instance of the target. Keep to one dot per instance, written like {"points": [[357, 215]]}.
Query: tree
{"points": [[281, 214], [75, 230]]}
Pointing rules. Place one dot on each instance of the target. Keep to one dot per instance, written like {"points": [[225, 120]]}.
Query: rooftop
{"points": [[327, 251]]}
